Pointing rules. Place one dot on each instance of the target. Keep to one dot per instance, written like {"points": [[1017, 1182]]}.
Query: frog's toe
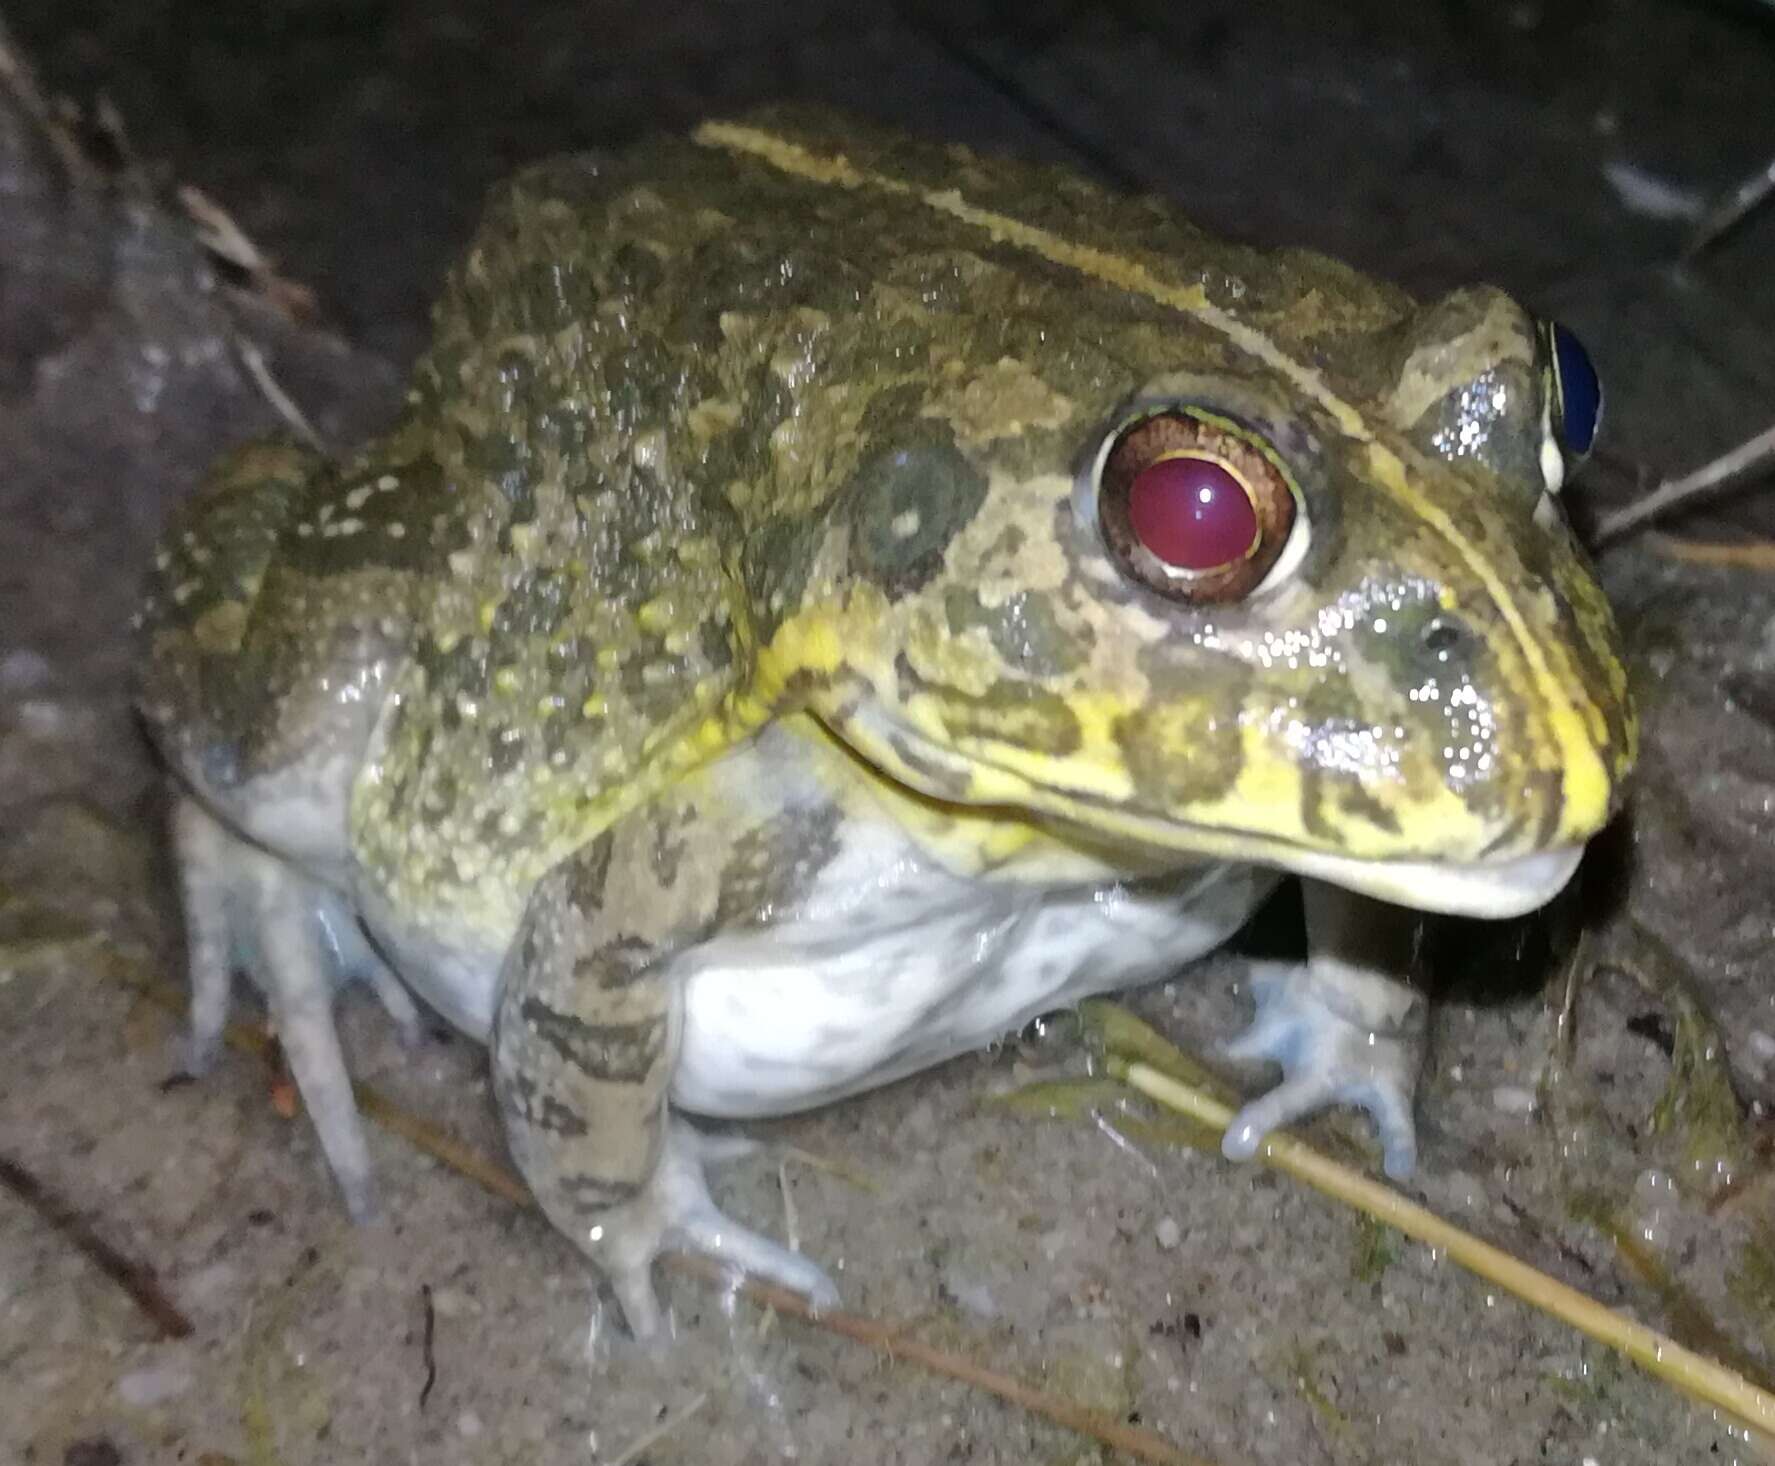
{"points": [[718, 1148], [1275, 1035], [709, 1232], [675, 1212], [198, 1051], [311, 1045], [1327, 1057], [695, 1224], [1388, 1105], [632, 1281], [398, 1003]]}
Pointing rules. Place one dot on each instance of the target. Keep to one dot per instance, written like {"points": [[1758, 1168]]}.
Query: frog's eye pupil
{"points": [[1580, 392], [1192, 513]]}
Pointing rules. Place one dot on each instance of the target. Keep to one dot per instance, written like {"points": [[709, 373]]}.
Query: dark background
{"points": [[1427, 142]]}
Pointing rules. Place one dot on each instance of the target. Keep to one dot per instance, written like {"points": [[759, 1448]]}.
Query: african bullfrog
{"points": [[830, 599]]}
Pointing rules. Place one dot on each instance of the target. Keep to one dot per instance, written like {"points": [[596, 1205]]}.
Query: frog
{"points": [[830, 598]]}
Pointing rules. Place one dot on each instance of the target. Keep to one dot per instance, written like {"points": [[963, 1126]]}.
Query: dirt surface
{"points": [[1226, 1309]]}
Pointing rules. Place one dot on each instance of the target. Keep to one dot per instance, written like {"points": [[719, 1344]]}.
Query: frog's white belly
{"points": [[839, 1001]]}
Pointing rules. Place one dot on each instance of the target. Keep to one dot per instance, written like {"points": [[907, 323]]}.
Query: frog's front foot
{"points": [[1341, 1037], [675, 1212]]}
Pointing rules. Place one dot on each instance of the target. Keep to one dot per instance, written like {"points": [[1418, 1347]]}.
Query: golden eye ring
{"points": [[1193, 507]]}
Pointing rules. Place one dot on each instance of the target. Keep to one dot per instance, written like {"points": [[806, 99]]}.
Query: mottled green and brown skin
{"points": [[790, 426]]}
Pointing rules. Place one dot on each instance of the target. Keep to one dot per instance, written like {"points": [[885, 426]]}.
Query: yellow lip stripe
{"points": [[1586, 779]]}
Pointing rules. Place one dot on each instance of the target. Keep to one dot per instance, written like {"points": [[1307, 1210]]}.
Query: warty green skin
{"points": [[792, 426]]}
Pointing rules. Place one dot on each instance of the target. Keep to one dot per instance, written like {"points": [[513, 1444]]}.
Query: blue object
{"points": [[1578, 404]]}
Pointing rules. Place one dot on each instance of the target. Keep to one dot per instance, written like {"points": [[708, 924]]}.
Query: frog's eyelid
{"points": [[1559, 455], [1552, 454]]}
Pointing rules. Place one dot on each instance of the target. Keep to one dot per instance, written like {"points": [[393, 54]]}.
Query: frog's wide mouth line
{"points": [[1495, 889], [1507, 888]]}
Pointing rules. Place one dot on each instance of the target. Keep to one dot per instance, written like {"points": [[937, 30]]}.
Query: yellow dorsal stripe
{"points": [[1584, 773]]}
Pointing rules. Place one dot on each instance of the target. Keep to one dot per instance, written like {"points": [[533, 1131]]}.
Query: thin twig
{"points": [[1143, 1445], [134, 1278], [1751, 555], [281, 401], [441, 1146], [427, 1343], [1716, 474], [16, 77], [1729, 210], [1681, 1307], [218, 233], [1695, 1375], [647, 1440], [791, 1219]]}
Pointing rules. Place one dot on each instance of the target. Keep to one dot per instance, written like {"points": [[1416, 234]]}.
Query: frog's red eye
{"points": [[1192, 512], [1193, 508]]}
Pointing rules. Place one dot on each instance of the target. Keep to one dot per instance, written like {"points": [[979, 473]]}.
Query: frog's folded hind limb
{"points": [[584, 1046]]}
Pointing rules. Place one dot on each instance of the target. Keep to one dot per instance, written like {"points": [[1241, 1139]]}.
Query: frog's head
{"points": [[1328, 617]]}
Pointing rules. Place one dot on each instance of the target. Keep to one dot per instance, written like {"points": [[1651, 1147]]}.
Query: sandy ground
{"points": [[1228, 1310]]}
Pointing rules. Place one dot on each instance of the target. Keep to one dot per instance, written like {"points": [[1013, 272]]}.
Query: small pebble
{"points": [[208, 1283], [22, 671], [975, 1297], [1513, 1100], [468, 1424], [150, 1386], [1169, 1233], [454, 1303]]}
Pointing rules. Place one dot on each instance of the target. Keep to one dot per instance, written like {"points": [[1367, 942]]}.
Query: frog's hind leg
{"points": [[205, 888], [245, 908], [584, 1046], [1345, 1027]]}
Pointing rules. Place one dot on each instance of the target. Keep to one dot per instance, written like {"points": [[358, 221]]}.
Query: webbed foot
{"points": [[1341, 1038], [675, 1212]]}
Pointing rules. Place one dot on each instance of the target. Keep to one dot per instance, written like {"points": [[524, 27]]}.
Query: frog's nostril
{"points": [[1445, 637]]}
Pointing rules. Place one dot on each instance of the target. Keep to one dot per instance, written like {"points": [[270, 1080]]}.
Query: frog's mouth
{"points": [[1495, 889], [1498, 888]]}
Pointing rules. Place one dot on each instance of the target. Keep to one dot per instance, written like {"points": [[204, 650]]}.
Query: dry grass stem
{"points": [[17, 78], [1729, 210], [136, 1279], [647, 1440], [1716, 474], [1750, 555], [886, 1339], [281, 401], [1695, 1375]]}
